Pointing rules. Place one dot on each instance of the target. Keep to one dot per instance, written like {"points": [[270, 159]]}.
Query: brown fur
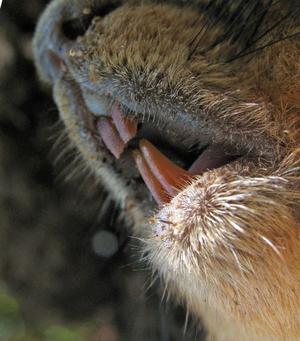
{"points": [[228, 244]]}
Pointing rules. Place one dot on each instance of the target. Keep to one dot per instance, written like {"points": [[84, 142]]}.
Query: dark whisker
{"points": [[260, 48], [284, 18]]}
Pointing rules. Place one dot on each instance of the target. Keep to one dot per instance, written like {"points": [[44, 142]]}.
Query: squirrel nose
{"points": [[78, 24], [58, 28]]}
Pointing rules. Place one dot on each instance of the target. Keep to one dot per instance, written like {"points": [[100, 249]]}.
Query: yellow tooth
{"points": [[213, 157], [126, 127], [156, 189], [110, 136], [171, 177]]}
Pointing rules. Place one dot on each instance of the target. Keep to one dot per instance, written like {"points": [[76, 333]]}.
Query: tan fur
{"points": [[227, 245]]}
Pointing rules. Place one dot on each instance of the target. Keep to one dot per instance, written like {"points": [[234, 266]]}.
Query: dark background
{"points": [[53, 285]]}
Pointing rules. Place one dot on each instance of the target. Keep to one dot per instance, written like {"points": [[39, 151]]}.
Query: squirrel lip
{"points": [[163, 177]]}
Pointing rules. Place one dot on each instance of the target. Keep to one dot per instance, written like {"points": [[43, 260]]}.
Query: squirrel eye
{"points": [[76, 27]]}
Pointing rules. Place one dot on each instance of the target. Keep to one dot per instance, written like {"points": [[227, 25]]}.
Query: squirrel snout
{"points": [[59, 27]]}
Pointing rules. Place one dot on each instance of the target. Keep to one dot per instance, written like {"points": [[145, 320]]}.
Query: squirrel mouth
{"points": [[126, 134], [164, 173]]}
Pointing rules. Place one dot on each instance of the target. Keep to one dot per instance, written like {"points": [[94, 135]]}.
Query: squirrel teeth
{"points": [[116, 130], [110, 136], [126, 127], [212, 157], [158, 192], [163, 177]]}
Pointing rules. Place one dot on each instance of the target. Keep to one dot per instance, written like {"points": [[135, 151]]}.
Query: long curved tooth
{"points": [[126, 127], [156, 189], [169, 175], [110, 136], [211, 158]]}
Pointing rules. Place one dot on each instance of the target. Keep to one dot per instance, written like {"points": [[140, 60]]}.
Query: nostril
{"points": [[59, 26], [76, 27], [106, 9]]}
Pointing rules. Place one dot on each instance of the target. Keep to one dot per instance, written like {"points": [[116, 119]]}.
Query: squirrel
{"points": [[197, 105]]}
